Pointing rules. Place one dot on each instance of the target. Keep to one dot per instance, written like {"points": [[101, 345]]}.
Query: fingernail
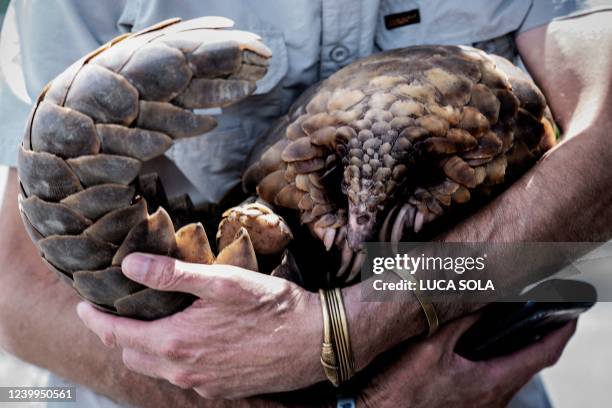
{"points": [[81, 310], [136, 265]]}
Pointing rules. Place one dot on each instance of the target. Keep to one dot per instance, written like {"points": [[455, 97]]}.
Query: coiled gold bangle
{"points": [[336, 353], [426, 305]]}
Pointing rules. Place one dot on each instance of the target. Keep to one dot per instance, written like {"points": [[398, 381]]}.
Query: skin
{"points": [[237, 309], [430, 374], [50, 335]]}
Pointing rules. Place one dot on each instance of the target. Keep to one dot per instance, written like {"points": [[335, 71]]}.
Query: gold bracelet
{"points": [[426, 306], [328, 356], [336, 353], [341, 334]]}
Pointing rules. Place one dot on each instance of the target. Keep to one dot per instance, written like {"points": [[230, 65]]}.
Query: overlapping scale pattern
{"points": [[84, 201], [390, 143]]}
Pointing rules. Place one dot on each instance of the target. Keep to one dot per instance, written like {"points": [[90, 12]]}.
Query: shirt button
{"points": [[339, 53]]}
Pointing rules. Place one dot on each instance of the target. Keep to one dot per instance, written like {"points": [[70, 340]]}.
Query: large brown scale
{"points": [[375, 152]]}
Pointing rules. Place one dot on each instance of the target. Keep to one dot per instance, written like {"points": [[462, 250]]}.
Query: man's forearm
{"points": [[566, 197]]}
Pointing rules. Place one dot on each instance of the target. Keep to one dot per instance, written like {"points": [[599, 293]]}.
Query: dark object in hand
{"points": [[506, 327]]}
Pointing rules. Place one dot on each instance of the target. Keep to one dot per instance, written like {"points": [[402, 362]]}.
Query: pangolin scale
{"points": [[395, 141]]}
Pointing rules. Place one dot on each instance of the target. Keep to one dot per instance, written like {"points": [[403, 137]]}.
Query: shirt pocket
{"points": [[402, 35], [450, 22]]}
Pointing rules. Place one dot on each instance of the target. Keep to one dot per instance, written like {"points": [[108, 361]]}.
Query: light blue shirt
{"points": [[310, 40]]}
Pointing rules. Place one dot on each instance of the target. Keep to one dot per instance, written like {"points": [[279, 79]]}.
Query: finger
{"points": [[525, 363], [211, 282], [164, 273], [123, 332]]}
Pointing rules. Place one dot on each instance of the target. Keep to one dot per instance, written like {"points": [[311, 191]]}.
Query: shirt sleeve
{"points": [[544, 11], [39, 39]]}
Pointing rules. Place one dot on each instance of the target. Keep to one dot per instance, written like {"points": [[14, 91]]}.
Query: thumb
{"points": [[163, 273]]}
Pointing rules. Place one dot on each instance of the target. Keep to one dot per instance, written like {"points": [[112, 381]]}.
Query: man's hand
{"points": [[430, 374], [247, 334]]}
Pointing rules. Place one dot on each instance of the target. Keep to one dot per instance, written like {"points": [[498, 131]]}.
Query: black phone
{"points": [[506, 327]]}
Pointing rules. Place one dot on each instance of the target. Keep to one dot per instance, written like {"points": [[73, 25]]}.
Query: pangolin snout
{"points": [[361, 226]]}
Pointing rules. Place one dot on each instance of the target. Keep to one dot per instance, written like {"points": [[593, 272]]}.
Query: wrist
{"points": [[308, 329], [376, 327]]}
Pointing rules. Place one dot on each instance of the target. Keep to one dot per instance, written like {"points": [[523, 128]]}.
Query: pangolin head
{"points": [[374, 168]]}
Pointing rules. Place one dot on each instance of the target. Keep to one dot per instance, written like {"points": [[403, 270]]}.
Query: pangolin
{"points": [[395, 141]]}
